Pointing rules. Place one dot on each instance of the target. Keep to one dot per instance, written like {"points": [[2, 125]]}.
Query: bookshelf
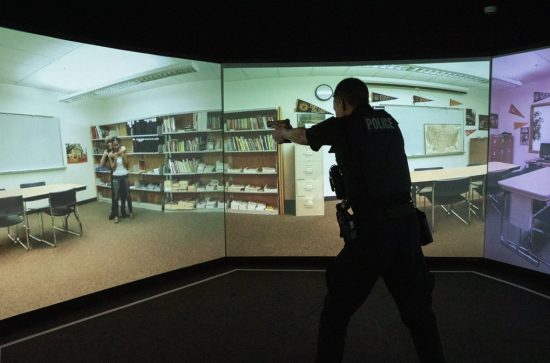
{"points": [[194, 162], [253, 163], [175, 161]]}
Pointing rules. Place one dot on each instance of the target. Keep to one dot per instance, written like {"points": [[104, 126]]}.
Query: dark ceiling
{"points": [[273, 32]]}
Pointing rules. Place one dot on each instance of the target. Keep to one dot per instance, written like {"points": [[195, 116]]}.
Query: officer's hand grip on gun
{"points": [[283, 124]]}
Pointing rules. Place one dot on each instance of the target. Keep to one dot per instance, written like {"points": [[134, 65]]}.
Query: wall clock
{"points": [[323, 92]]}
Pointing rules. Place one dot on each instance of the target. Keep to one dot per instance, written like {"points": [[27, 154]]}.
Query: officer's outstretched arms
{"points": [[283, 132]]}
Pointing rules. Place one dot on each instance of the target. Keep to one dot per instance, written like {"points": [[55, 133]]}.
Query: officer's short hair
{"points": [[353, 91]]}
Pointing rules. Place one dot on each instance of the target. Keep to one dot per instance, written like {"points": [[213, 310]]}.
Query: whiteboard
{"points": [[412, 119], [29, 143]]}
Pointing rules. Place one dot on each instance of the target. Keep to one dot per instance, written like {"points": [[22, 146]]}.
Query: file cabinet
{"points": [[310, 199]]}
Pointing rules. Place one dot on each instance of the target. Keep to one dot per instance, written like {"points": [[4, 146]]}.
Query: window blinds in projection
{"points": [[413, 120], [29, 143]]}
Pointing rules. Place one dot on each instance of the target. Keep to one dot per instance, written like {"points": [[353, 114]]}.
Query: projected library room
{"points": [[122, 165]]}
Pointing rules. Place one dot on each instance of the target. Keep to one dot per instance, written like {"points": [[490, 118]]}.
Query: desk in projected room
{"points": [[40, 192], [423, 176], [524, 192]]}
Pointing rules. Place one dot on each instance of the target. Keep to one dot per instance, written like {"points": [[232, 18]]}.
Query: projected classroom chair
{"points": [[62, 204], [12, 213], [493, 192], [478, 187], [541, 222], [447, 193], [34, 206], [424, 187]]}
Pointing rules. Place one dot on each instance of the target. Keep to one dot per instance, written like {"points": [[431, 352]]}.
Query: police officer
{"points": [[370, 153]]}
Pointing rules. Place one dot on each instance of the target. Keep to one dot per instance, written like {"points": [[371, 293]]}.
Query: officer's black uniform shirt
{"points": [[370, 152]]}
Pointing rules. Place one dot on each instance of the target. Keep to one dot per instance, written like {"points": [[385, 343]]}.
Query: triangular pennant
{"points": [[377, 97], [420, 99], [469, 132], [303, 106], [517, 125], [515, 111], [454, 102], [537, 96]]}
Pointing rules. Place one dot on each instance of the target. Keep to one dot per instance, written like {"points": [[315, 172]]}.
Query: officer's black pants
{"points": [[387, 249]]}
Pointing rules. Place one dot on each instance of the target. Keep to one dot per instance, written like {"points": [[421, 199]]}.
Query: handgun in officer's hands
{"points": [[280, 123], [274, 123]]}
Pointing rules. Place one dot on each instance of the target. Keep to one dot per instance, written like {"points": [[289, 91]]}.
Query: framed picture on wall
{"points": [[470, 117], [539, 129], [483, 122], [524, 136], [493, 121]]}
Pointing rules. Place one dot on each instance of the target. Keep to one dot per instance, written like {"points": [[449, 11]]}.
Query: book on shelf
{"points": [[214, 122], [267, 169], [258, 122], [168, 124], [258, 143], [183, 166]]}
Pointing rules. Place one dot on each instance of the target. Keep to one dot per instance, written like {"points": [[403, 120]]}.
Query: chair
{"points": [[478, 185], [493, 192], [62, 204], [36, 205], [423, 187], [541, 221], [12, 212], [447, 193]]}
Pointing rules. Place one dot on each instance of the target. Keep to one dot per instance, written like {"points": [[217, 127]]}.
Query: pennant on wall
{"points": [[303, 106], [377, 97], [517, 125], [537, 96], [469, 132], [515, 111], [420, 99], [454, 102]]}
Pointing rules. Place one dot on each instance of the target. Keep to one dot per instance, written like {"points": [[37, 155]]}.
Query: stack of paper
{"points": [[250, 170], [252, 188], [235, 188], [270, 189]]}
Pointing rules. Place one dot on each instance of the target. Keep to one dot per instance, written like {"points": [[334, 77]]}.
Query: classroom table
{"points": [[524, 190], [38, 193], [423, 176]]}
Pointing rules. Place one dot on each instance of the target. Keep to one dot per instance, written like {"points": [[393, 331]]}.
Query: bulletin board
{"points": [[29, 143], [412, 121]]}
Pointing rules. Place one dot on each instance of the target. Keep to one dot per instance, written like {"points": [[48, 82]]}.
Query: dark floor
{"points": [[235, 312]]}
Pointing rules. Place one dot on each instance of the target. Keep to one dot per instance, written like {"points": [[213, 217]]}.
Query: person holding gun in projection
{"points": [[382, 232], [118, 159]]}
